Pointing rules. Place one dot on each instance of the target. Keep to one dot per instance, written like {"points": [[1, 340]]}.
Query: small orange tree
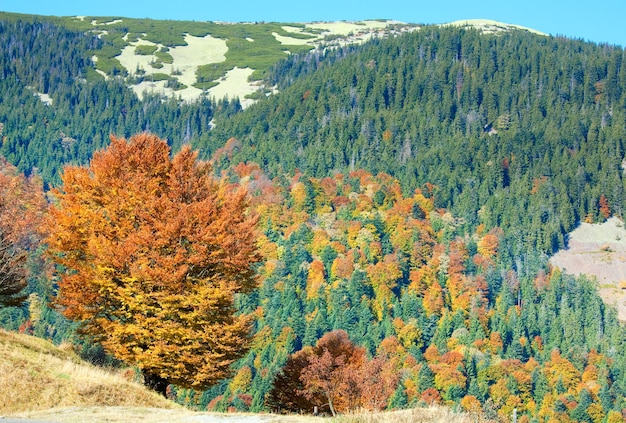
{"points": [[154, 250], [335, 375], [22, 207]]}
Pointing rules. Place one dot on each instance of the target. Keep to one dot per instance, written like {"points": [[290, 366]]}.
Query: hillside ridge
{"points": [[238, 81], [192, 60], [180, 74]]}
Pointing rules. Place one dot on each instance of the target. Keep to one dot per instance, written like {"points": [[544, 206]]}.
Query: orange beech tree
{"points": [[22, 207], [335, 375], [154, 251]]}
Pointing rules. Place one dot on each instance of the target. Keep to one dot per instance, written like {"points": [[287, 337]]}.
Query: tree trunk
{"points": [[156, 383], [330, 404]]}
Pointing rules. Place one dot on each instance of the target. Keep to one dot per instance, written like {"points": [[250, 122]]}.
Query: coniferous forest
{"points": [[518, 131], [408, 193]]}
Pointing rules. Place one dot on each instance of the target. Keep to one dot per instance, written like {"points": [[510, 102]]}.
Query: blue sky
{"points": [[598, 21]]}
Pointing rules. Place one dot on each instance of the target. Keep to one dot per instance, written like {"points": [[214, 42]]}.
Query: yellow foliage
{"points": [[267, 248], [366, 236], [499, 392], [315, 279], [461, 292], [560, 368], [268, 268], [452, 343], [433, 299], [401, 236], [282, 341], [447, 376], [530, 406], [488, 246], [426, 204], [385, 273], [411, 390], [298, 194], [495, 343], [512, 402], [545, 411], [241, 381], [352, 233], [319, 242], [471, 404], [596, 412], [614, 417], [410, 335], [531, 365], [418, 285]]}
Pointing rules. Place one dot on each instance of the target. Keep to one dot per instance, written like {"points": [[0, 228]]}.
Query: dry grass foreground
{"points": [[37, 375], [44, 382], [157, 415]]}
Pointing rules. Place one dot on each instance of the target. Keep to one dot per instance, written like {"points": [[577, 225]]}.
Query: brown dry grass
{"points": [[37, 375], [156, 415], [425, 415]]}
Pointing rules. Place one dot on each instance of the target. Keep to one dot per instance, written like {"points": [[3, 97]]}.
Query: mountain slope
{"points": [[418, 287], [513, 130], [58, 108], [520, 135], [187, 60]]}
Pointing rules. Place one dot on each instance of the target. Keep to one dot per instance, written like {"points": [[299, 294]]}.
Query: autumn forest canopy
{"points": [[373, 236]]}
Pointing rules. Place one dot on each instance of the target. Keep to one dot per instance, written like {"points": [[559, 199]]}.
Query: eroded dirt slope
{"points": [[599, 250]]}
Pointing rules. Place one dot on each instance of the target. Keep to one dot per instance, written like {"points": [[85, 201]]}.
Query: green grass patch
{"points": [[64, 376], [207, 74], [332, 37], [145, 50], [257, 95], [92, 76], [107, 51], [309, 35], [164, 57], [158, 77], [133, 37], [111, 66]]}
